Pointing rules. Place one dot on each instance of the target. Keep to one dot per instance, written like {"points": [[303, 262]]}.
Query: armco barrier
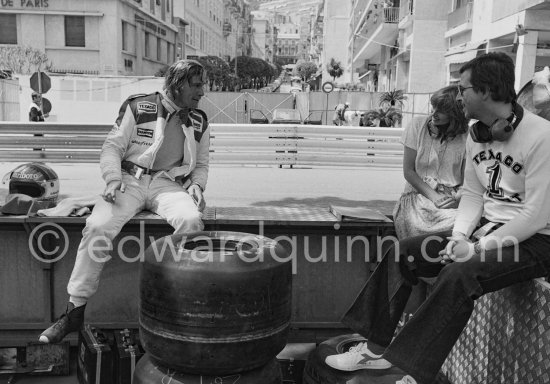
{"points": [[238, 144]]}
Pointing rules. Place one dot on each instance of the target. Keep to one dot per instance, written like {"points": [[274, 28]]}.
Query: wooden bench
{"points": [[232, 144]]}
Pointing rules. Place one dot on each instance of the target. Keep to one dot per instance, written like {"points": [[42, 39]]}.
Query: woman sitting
{"points": [[433, 166]]}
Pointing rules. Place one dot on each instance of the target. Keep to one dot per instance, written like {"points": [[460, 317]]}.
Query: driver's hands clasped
{"points": [[196, 193]]}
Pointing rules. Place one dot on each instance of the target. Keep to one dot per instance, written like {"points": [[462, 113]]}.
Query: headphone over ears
{"points": [[500, 129]]}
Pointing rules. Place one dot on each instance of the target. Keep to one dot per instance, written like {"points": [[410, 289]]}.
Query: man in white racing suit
{"points": [[155, 158]]}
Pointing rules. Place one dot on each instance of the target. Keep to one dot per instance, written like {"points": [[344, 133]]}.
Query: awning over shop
{"points": [[464, 52]]}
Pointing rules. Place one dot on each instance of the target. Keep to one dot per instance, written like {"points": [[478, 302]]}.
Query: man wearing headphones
{"points": [[155, 158], [501, 235]]}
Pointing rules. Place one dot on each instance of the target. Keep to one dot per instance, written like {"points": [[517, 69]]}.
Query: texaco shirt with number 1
{"points": [[509, 182]]}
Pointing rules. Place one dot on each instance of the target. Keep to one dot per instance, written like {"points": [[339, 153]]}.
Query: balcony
{"points": [[391, 15], [380, 28], [406, 12], [459, 20]]}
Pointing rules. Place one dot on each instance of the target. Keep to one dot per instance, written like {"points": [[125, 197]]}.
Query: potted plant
{"points": [[387, 117], [392, 98]]}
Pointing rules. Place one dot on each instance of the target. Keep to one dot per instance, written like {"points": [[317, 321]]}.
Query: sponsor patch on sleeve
{"points": [[196, 121], [146, 107], [143, 132]]}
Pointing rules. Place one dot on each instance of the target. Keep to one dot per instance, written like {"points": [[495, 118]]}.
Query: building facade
{"points": [[102, 37], [336, 34], [265, 35], [519, 28], [420, 45], [216, 28]]}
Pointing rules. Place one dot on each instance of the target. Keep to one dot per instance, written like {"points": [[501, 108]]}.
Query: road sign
{"points": [[328, 87], [40, 82], [46, 105]]}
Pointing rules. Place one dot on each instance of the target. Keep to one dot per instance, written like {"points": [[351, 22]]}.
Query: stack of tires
{"points": [[214, 306]]}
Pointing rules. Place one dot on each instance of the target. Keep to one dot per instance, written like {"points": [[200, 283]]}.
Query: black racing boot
{"points": [[70, 321]]}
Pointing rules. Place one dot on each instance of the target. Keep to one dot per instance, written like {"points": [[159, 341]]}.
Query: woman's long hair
{"points": [[444, 100]]}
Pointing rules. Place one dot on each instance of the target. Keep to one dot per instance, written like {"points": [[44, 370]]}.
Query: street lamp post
{"points": [[236, 50]]}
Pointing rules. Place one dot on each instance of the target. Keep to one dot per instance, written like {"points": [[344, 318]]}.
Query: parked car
{"points": [[286, 116], [258, 117]]}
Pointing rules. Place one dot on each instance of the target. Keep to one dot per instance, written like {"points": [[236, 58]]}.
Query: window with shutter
{"points": [[8, 29], [124, 37], [147, 47], [75, 35], [159, 48]]}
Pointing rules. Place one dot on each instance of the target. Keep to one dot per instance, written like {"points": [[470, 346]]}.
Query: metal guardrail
{"points": [[237, 144]]}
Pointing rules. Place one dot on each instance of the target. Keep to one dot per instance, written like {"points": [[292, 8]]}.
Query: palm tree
{"points": [[335, 69], [392, 98]]}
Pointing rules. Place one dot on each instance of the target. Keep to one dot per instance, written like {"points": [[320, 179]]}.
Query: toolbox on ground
{"points": [[127, 351], [95, 357], [292, 360]]}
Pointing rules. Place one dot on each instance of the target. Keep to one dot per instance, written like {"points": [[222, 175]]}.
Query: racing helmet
{"points": [[36, 180]]}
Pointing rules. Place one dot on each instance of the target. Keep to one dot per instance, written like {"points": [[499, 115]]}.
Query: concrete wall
{"points": [[87, 98], [427, 65], [424, 39], [9, 100]]}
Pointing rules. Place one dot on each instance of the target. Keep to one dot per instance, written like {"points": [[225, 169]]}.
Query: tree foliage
{"points": [[161, 72], [305, 70], [252, 72], [219, 72], [335, 69], [23, 60]]}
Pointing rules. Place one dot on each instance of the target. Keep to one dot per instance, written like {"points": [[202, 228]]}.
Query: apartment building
{"points": [[316, 35], [265, 35], [100, 37], [293, 21], [216, 28], [335, 17], [420, 45], [398, 44], [519, 28]]}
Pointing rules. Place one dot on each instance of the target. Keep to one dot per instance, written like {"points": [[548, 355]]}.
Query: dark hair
{"points": [[180, 72], [445, 101], [493, 72]]}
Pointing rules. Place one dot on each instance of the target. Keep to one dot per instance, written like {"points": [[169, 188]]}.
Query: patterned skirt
{"points": [[415, 215]]}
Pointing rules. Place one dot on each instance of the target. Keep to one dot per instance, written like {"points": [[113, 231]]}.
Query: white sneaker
{"points": [[406, 380], [358, 357]]}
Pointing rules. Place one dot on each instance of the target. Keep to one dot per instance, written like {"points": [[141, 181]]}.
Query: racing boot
{"points": [[70, 321]]}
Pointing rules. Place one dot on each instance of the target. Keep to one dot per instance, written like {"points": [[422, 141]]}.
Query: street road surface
{"points": [[238, 186]]}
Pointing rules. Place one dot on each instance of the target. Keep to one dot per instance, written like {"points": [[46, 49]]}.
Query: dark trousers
{"points": [[423, 344]]}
